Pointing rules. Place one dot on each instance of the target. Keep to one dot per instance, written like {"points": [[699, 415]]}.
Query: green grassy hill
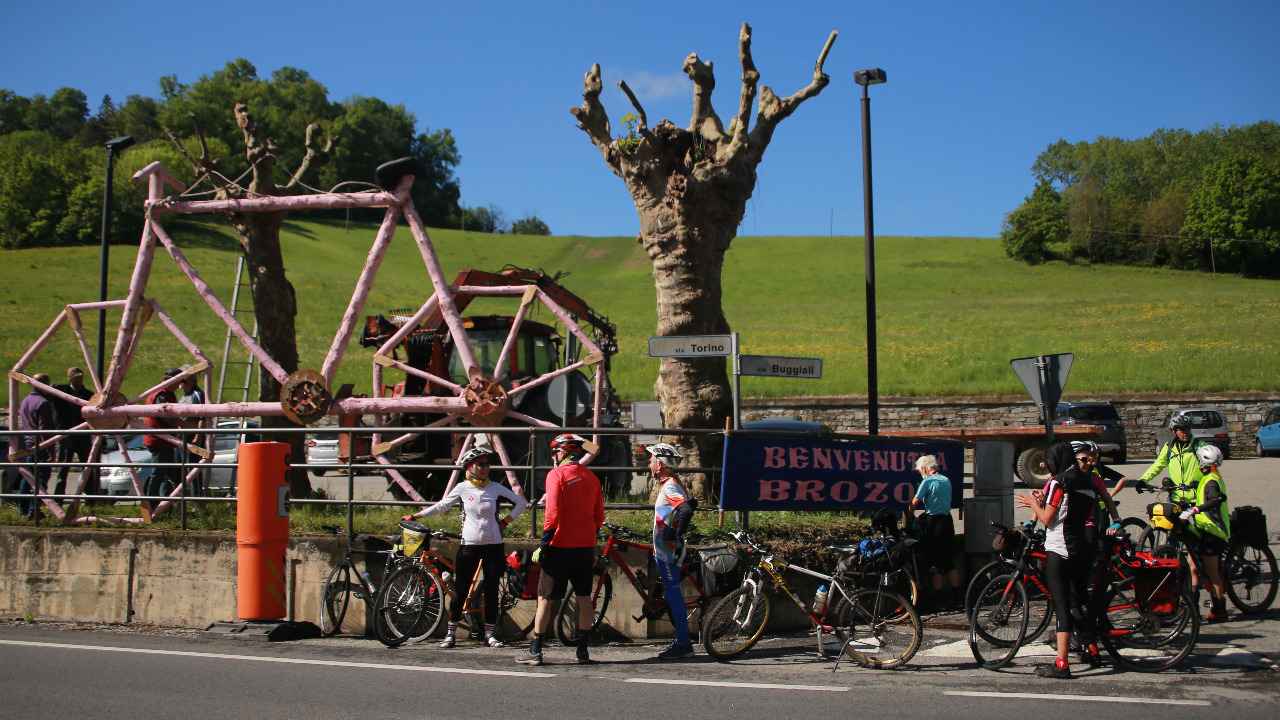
{"points": [[953, 311]]}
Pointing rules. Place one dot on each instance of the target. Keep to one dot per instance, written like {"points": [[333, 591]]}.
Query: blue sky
{"points": [[976, 90]]}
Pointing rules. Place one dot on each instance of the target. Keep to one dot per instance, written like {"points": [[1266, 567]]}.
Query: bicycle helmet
{"points": [[476, 453], [568, 442], [1209, 455], [665, 452], [1087, 446], [1178, 422]]}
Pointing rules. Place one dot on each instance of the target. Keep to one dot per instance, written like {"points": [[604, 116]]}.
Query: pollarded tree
{"points": [[690, 187]]}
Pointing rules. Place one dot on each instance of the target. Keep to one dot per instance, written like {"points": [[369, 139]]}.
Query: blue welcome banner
{"points": [[807, 472]]}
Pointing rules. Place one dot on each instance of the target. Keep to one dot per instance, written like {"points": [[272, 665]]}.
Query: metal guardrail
{"points": [[534, 473]]}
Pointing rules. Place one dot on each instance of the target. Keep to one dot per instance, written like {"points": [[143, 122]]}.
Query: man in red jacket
{"points": [[575, 512]]}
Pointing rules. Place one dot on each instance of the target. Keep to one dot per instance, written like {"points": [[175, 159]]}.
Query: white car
{"points": [[322, 449], [220, 479], [117, 480]]}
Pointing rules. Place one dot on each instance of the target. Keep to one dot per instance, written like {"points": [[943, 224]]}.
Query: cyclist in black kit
{"points": [[1065, 508]]}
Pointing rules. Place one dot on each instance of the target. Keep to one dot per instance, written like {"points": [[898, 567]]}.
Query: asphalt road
{"points": [[59, 672]]}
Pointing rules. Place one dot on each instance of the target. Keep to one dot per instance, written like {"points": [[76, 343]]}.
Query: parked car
{"points": [[115, 479], [1207, 423], [220, 478], [1267, 439], [1112, 442], [322, 449]]}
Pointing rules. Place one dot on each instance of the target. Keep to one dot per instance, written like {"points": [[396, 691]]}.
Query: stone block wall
{"points": [[1143, 415]]}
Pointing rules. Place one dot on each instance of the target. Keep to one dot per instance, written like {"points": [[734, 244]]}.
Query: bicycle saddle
{"points": [[388, 174], [415, 526]]}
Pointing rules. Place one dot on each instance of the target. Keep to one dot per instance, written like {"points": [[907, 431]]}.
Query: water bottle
{"points": [[444, 577], [820, 600]]}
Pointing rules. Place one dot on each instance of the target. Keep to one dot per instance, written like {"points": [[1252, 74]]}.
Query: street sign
{"points": [[1044, 376], [690, 346], [779, 366]]}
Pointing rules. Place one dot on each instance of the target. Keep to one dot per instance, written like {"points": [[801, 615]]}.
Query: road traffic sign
{"points": [[689, 346], [779, 366]]}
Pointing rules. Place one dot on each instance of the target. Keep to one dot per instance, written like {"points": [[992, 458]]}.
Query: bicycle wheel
{"points": [[735, 623], [567, 618], [1157, 541], [980, 580], [1250, 574], [509, 588], [1039, 607], [869, 633], [998, 622], [408, 606], [1151, 638], [1132, 528], [335, 599]]}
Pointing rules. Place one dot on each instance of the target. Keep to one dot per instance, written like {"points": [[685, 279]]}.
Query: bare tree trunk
{"points": [[690, 187]]}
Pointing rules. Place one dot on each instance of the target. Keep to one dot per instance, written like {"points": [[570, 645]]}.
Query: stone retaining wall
{"points": [[1143, 415]]}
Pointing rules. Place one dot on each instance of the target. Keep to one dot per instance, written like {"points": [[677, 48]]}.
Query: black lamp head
{"points": [[117, 144], [870, 76]]}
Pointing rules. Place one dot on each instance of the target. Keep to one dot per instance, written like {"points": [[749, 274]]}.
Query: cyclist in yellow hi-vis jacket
{"points": [[1179, 456], [1210, 521]]}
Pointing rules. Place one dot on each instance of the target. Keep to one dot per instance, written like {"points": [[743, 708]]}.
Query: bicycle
{"points": [[1147, 625], [339, 588], [1248, 566], [1001, 611], [617, 541], [410, 605], [858, 623]]}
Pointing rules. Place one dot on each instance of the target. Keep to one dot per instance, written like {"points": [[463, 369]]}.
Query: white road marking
{"points": [[714, 683], [287, 661], [1082, 698]]}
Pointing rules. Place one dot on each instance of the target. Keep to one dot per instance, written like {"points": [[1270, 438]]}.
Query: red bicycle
{"points": [[705, 567]]}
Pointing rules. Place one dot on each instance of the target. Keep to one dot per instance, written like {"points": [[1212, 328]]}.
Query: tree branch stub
{"points": [[704, 121]]}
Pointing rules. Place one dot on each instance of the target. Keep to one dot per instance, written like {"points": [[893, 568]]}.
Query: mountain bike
{"points": [[617, 541], [1248, 566], [1012, 608], [1146, 616], [849, 621]]}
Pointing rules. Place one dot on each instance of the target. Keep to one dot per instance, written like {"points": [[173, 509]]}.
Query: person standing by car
{"points": [[575, 512], [35, 413], [74, 446], [162, 479], [481, 539], [1210, 521], [672, 512], [937, 545]]}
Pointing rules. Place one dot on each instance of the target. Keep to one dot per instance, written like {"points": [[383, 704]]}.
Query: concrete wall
{"points": [[189, 579], [1142, 414], [172, 579]]}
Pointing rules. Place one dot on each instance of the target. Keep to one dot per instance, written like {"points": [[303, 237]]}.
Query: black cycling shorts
{"points": [[562, 566]]}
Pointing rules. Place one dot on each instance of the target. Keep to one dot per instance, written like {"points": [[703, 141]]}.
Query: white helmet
{"points": [[1209, 455], [666, 452], [474, 454]]}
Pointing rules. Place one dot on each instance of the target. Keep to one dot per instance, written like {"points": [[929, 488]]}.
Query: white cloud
{"points": [[651, 86]]}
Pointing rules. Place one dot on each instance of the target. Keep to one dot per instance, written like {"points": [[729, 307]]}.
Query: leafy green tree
{"points": [[483, 219], [37, 172], [13, 112], [1233, 217], [1035, 225], [532, 225], [62, 114]]}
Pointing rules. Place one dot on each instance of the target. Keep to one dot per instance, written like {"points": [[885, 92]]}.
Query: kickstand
{"points": [[840, 655]]}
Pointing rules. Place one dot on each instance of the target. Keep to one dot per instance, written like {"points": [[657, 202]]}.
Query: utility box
{"points": [[992, 499]]}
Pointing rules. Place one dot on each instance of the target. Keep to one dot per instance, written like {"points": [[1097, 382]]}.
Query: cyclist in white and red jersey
{"points": [[671, 512]]}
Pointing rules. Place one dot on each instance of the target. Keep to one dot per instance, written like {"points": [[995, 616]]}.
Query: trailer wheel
{"points": [[1031, 466]]}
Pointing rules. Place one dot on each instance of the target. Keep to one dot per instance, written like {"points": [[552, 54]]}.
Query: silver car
{"points": [[322, 449], [1207, 423], [115, 479], [220, 477]]}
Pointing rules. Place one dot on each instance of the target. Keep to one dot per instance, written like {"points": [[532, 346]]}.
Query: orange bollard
{"points": [[262, 530]]}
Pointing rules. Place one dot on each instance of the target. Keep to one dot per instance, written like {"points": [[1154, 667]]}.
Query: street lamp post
{"points": [[114, 145], [867, 78]]}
